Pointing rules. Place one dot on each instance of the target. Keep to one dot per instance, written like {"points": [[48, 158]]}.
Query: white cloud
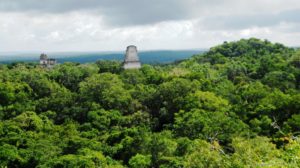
{"points": [[87, 27]]}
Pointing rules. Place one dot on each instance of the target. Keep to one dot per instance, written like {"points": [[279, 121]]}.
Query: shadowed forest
{"points": [[236, 105]]}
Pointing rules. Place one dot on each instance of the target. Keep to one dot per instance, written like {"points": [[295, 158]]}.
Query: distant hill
{"points": [[149, 57]]}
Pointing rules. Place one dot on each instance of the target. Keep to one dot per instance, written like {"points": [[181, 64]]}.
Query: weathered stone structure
{"points": [[47, 62], [131, 58]]}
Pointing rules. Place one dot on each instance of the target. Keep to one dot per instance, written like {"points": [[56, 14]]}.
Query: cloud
{"points": [[85, 25], [133, 12], [118, 12], [250, 20]]}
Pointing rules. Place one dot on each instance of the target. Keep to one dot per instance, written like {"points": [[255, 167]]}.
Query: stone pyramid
{"points": [[131, 58]]}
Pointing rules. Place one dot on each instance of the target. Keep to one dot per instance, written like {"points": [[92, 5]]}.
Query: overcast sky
{"points": [[110, 25]]}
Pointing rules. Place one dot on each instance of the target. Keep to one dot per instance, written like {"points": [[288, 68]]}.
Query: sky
{"points": [[111, 25]]}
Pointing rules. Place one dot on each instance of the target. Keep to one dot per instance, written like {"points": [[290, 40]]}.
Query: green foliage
{"points": [[295, 60], [291, 153], [169, 98], [106, 89], [257, 152], [281, 80], [251, 47], [207, 125], [206, 101], [109, 66], [104, 120], [140, 161], [70, 75], [204, 154], [237, 105]]}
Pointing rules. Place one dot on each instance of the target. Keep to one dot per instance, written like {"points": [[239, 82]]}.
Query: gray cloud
{"points": [[253, 20], [215, 13], [151, 24], [118, 12]]}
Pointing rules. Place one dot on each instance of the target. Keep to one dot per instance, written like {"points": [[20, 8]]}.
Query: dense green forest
{"points": [[237, 105]]}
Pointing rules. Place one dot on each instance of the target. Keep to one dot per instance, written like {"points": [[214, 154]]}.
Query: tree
{"points": [[9, 155], [255, 153], [279, 79], [106, 89], [295, 60], [170, 97], [293, 124], [114, 67], [291, 153], [207, 101], [70, 75], [60, 102], [203, 154], [236, 105], [104, 120], [85, 158], [161, 147], [14, 98], [201, 124], [140, 161], [133, 77], [153, 75]]}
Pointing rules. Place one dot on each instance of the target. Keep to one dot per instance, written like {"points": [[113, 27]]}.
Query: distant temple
{"points": [[47, 62], [131, 58]]}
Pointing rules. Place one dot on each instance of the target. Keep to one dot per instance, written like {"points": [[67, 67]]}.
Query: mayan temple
{"points": [[131, 58], [47, 62]]}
